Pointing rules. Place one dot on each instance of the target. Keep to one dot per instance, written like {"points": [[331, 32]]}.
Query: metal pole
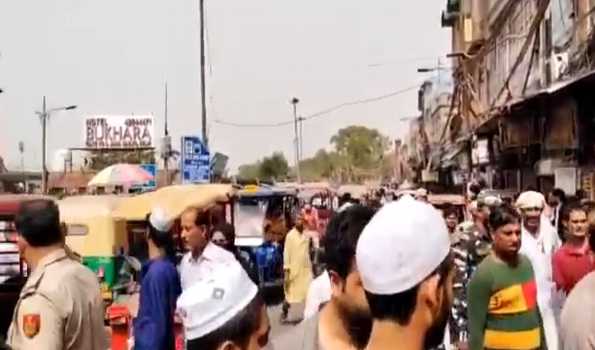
{"points": [[22, 151], [167, 151], [205, 139], [301, 155], [44, 174], [294, 102]]}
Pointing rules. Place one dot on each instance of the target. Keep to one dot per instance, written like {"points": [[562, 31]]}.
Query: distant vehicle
{"points": [[263, 215]]}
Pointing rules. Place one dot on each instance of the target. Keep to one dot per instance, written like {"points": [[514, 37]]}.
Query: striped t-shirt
{"points": [[502, 309]]}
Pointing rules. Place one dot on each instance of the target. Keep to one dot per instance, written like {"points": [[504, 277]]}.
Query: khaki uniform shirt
{"points": [[60, 307]]}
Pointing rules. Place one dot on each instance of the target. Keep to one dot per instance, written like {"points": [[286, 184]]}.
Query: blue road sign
{"points": [[195, 161]]}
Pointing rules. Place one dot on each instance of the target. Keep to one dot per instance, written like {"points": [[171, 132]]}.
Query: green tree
{"points": [[361, 147], [274, 167], [249, 171]]}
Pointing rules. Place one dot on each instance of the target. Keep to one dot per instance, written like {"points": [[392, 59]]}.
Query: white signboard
{"points": [[119, 132]]}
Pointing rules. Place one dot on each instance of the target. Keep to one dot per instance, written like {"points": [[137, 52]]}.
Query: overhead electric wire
{"points": [[321, 113]]}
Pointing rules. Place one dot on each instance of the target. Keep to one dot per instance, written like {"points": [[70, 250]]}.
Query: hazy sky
{"points": [[113, 57]]}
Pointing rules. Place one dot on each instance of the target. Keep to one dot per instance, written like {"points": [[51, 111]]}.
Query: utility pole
{"points": [[294, 102], [301, 155], [205, 139], [44, 172], [167, 144], [22, 152], [44, 115]]}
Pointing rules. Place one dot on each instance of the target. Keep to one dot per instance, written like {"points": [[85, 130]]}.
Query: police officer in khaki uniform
{"points": [[60, 306]]}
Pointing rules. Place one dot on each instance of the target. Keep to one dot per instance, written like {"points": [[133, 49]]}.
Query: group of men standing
{"points": [[60, 306], [394, 277], [517, 281], [514, 275]]}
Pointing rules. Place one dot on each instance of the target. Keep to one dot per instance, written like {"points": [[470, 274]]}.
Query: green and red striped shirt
{"points": [[502, 309]]}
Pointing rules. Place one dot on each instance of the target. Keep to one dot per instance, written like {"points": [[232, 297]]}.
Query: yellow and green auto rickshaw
{"points": [[98, 236], [216, 198]]}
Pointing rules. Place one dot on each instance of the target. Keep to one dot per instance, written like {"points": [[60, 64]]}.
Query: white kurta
{"points": [[192, 270], [540, 251]]}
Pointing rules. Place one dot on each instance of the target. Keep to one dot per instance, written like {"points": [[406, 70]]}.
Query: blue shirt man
{"points": [[160, 289]]}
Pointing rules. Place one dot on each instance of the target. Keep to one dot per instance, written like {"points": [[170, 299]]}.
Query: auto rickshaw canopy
{"points": [[92, 230], [173, 200]]}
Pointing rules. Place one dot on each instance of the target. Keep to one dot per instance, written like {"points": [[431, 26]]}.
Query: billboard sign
{"points": [[119, 132], [195, 161]]}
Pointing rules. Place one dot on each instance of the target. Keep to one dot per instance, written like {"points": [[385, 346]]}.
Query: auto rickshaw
{"points": [[98, 236], [263, 215], [174, 200]]}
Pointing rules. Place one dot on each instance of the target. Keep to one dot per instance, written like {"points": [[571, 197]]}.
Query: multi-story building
{"points": [[523, 72]]}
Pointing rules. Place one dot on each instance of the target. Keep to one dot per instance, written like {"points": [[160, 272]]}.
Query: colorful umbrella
{"points": [[121, 174]]}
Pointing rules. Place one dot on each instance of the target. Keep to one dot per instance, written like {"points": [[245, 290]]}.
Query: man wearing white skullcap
{"points": [[223, 311], [403, 256], [539, 242], [160, 287]]}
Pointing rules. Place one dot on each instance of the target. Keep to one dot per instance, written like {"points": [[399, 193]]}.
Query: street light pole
{"points": [[44, 173], [45, 115], [205, 138], [294, 102]]}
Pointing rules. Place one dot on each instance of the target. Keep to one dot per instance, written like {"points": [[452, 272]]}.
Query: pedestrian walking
{"points": [[408, 285], [471, 247], [160, 287], [297, 267], [503, 312], [539, 243], [342, 320], [577, 321], [556, 200], [573, 260], [451, 217], [224, 311], [202, 253], [60, 306]]}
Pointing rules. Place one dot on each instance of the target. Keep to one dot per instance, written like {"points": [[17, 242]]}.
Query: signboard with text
{"points": [[195, 161], [119, 132]]}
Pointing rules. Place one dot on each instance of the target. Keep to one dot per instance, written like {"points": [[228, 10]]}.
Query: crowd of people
{"points": [[517, 275]]}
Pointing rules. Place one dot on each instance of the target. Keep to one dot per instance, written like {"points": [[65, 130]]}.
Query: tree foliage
{"points": [[362, 147], [358, 154], [274, 167]]}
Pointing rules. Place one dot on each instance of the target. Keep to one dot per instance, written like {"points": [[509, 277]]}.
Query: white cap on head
{"points": [[159, 220], [401, 246], [214, 300], [530, 199]]}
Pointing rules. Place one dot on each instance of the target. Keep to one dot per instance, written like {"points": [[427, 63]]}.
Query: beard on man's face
{"points": [[435, 335], [357, 322]]}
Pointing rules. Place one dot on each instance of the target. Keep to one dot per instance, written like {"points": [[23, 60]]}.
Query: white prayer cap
{"points": [[214, 300], [530, 199], [401, 246], [159, 220]]}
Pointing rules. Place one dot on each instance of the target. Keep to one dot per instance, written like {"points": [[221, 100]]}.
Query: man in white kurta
{"points": [[539, 242]]}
